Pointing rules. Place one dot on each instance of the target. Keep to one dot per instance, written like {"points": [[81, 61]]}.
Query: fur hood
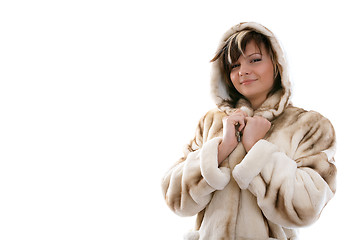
{"points": [[275, 104]]}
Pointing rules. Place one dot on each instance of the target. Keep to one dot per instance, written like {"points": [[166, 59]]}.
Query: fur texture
{"points": [[281, 184]]}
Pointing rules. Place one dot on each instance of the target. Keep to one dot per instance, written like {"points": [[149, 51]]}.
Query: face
{"points": [[252, 74]]}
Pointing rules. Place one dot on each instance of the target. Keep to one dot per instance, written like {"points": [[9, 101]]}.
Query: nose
{"points": [[244, 70]]}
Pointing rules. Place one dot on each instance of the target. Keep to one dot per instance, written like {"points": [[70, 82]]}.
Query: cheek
{"points": [[234, 78], [268, 75]]}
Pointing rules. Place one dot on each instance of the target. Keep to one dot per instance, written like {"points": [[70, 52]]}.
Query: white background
{"points": [[97, 99]]}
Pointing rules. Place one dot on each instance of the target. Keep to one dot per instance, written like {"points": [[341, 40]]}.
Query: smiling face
{"points": [[253, 74]]}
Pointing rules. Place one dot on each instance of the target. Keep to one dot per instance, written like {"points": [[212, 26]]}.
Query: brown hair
{"points": [[234, 47]]}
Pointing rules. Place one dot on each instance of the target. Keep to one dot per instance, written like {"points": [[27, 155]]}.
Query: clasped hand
{"points": [[252, 128]]}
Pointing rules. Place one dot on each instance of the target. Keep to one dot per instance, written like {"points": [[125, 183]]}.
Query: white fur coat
{"points": [[281, 184]]}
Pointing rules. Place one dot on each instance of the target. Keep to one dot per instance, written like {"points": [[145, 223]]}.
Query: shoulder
{"points": [[210, 125], [213, 115], [301, 117], [304, 124], [312, 127], [307, 132]]}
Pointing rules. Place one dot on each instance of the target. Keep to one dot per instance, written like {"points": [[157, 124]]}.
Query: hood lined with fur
{"points": [[275, 104]]}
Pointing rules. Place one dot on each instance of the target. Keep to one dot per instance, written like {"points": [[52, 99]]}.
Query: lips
{"points": [[247, 81]]}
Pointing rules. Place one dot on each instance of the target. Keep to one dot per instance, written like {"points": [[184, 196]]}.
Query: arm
{"points": [[292, 192], [189, 184]]}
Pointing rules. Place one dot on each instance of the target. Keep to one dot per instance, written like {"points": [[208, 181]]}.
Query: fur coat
{"points": [[281, 184]]}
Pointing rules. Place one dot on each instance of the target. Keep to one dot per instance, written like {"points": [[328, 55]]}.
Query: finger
{"points": [[240, 122], [241, 115], [244, 113], [233, 118], [241, 112], [259, 117], [241, 126], [236, 112]]}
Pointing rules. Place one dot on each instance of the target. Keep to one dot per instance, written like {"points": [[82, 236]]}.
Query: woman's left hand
{"points": [[254, 130]]}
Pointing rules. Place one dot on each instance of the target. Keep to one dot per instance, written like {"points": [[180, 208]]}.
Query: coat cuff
{"points": [[253, 163], [216, 177]]}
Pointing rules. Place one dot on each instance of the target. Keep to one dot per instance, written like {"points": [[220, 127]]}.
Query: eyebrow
{"points": [[254, 54]]}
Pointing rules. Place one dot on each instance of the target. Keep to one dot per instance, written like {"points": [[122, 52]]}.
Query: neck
{"points": [[257, 102]]}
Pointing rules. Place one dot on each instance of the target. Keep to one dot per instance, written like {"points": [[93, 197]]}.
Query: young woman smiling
{"points": [[258, 167]]}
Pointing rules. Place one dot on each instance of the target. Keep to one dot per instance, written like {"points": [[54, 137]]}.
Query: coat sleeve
{"points": [[189, 184], [292, 192]]}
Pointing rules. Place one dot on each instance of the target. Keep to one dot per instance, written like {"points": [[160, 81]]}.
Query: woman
{"points": [[258, 167]]}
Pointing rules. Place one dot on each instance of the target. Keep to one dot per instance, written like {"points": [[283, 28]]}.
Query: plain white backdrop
{"points": [[97, 99]]}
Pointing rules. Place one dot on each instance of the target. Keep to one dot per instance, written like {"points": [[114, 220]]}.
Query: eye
{"points": [[235, 66], [256, 60]]}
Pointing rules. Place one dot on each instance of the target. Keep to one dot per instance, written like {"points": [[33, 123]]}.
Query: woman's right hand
{"points": [[229, 139]]}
